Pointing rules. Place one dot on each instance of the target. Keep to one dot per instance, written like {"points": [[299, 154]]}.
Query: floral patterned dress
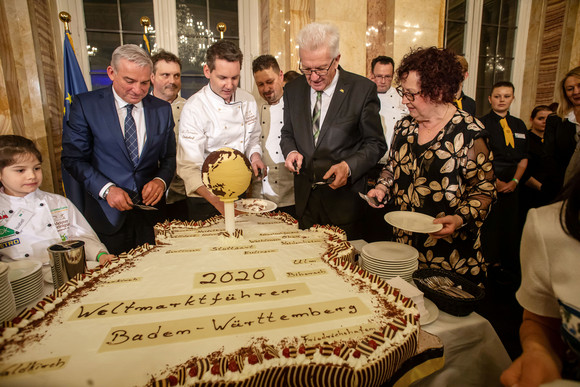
{"points": [[450, 175]]}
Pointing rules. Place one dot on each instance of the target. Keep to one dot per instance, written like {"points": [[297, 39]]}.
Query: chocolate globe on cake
{"points": [[227, 173]]}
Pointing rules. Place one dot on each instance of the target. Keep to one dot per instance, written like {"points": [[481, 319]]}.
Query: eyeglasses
{"points": [[319, 72], [410, 96], [383, 77]]}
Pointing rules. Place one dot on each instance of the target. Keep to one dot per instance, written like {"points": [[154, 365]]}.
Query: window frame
{"points": [[474, 11]]}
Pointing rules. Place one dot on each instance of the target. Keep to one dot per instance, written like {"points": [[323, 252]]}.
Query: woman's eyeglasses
{"points": [[407, 94]]}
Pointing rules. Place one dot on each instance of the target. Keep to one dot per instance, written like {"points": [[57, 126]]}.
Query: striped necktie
{"points": [[507, 133], [316, 116], [131, 135]]}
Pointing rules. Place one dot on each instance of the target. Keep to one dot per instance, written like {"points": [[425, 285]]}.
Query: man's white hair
{"points": [[317, 35], [132, 53]]}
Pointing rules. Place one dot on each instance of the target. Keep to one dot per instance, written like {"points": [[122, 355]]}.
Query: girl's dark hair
{"points": [[540, 108], [12, 146], [570, 212]]}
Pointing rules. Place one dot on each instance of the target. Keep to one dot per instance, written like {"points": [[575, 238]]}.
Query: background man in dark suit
{"points": [[332, 129], [119, 143]]}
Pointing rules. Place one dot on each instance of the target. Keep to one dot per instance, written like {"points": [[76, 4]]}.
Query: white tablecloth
{"points": [[474, 354]]}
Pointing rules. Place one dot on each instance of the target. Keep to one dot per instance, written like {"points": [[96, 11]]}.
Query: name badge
{"points": [[19, 219], [520, 136]]}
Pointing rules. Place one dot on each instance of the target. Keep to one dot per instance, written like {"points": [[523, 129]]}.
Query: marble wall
{"points": [[418, 23], [368, 28], [24, 104]]}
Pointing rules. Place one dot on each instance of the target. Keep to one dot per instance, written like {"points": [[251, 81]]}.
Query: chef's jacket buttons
{"points": [[26, 255], [17, 232], [49, 225], [41, 204], [10, 211]]}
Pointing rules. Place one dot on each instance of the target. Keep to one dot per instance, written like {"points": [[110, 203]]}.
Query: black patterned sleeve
{"points": [[479, 185]]}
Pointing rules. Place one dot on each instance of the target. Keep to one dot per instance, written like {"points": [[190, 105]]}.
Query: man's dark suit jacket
{"points": [[94, 152], [351, 132]]}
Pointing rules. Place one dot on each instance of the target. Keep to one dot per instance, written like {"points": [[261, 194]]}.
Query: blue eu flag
{"points": [[145, 44], [74, 83]]}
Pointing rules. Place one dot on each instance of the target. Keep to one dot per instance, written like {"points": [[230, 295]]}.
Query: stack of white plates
{"points": [[7, 304], [389, 259], [26, 280]]}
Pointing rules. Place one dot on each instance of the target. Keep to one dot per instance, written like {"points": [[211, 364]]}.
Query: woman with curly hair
{"points": [[439, 164]]}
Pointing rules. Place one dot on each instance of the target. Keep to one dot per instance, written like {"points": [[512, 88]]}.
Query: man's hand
{"points": [[258, 166], [119, 199], [152, 192], [340, 172], [294, 162]]}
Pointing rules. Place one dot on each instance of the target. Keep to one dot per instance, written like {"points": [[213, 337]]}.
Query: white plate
{"points": [[255, 206], [390, 251], [412, 221], [433, 312], [20, 269]]}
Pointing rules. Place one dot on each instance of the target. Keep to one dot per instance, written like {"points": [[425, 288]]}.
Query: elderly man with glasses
{"points": [[332, 133]]}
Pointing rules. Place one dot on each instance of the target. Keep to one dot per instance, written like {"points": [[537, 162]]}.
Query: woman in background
{"points": [[562, 130], [539, 186], [550, 293]]}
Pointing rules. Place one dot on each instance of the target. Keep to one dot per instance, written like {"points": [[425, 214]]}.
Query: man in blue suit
{"points": [[119, 143]]}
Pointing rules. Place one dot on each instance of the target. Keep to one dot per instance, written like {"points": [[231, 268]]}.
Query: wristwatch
{"points": [[107, 192]]}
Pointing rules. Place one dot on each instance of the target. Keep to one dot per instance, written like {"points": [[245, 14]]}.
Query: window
{"points": [[196, 31], [485, 31], [110, 23], [496, 48], [455, 24]]}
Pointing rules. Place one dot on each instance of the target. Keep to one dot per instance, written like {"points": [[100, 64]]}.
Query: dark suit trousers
{"points": [[341, 207], [135, 231]]}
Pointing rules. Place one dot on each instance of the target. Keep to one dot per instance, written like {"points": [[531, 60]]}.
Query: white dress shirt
{"points": [[326, 98], [138, 116], [392, 110]]}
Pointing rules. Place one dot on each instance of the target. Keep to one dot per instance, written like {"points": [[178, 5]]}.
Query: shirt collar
{"points": [[120, 103], [498, 117], [572, 117], [217, 98], [330, 89], [27, 198]]}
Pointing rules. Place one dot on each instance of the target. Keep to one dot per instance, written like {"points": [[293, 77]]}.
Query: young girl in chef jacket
{"points": [[31, 220]]}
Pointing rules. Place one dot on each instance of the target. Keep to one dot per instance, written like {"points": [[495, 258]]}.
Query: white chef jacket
{"points": [[392, 110], [207, 124], [48, 219], [278, 185]]}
